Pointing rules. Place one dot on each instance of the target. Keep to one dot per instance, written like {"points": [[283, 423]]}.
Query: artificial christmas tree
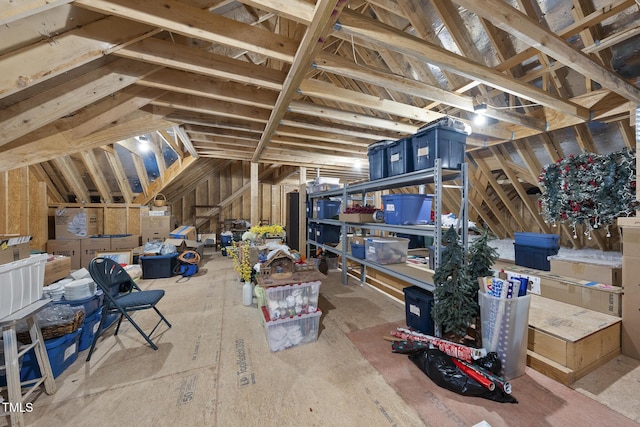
{"points": [[454, 307], [481, 257]]}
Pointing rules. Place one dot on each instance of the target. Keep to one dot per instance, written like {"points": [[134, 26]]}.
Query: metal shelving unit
{"points": [[437, 176]]}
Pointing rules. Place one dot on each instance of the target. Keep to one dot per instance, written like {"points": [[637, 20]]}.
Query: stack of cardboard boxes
{"points": [[78, 237], [156, 223]]}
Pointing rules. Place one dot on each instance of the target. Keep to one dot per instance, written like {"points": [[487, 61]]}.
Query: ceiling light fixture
{"points": [[480, 108]]}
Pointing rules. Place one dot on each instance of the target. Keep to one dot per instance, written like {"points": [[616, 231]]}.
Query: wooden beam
{"points": [[192, 22], [325, 14], [328, 91], [70, 172], [97, 175], [501, 155], [209, 106], [203, 86], [497, 188], [58, 139], [26, 67], [194, 60], [120, 176], [41, 175], [45, 107], [361, 27], [11, 10], [171, 174], [528, 30], [351, 118]]}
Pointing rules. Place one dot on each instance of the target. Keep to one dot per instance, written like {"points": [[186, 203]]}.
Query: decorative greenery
{"points": [[241, 260], [455, 306], [589, 189], [481, 256], [275, 230]]}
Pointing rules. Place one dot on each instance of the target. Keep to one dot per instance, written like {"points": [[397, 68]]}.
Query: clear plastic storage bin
{"points": [[291, 331], [289, 300], [386, 250]]}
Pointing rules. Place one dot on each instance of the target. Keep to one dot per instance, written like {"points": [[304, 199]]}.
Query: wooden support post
{"points": [[302, 209], [255, 200]]}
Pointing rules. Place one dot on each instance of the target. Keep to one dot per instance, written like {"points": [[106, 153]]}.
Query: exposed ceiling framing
{"points": [[306, 83]]}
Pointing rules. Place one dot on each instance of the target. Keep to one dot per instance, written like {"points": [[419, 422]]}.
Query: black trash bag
{"points": [[440, 368], [491, 362]]}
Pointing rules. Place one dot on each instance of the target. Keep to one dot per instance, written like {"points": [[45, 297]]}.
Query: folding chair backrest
{"points": [[110, 277]]}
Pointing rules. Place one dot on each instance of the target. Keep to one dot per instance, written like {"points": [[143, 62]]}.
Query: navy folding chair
{"points": [[122, 296]]}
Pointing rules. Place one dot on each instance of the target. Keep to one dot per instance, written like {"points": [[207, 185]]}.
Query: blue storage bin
{"points": [[438, 142], [399, 157], [538, 240], [91, 305], [158, 266], [418, 303], [400, 209], [226, 240], [377, 154], [357, 250], [534, 256], [62, 351], [327, 209], [309, 204], [327, 233], [89, 329]]}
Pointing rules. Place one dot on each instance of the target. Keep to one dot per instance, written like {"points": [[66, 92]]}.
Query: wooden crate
{"points": [[567, 342]]}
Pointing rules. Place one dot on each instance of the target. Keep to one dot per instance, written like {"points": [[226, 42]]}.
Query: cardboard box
{"points": [[91, 245], [67, 247], [56, 268], [579, 340], [129, 241], [608, 273], [155, 227], [186, 245], [630, 339], [630, 240], [184, 232], [594, 296], [13, 247], [75, 223], [356, 217]]}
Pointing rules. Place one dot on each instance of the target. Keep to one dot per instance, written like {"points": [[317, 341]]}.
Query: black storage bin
{"points": [[438, 142], [400, 157], [534, 257], [158, 266], [327, 233], [311, 231], [414, 241], [418, 303]]}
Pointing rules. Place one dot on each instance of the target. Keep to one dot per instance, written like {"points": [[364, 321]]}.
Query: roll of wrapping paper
{"points": [[501, 382], [452, 349], [482, 379]]}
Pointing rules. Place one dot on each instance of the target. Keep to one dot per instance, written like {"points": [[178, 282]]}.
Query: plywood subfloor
{"points": [[214, 368]]}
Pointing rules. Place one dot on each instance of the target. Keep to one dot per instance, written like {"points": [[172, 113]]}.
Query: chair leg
{"points": [[162, 317], [97, 334], [118, 325], [135, 325]]}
